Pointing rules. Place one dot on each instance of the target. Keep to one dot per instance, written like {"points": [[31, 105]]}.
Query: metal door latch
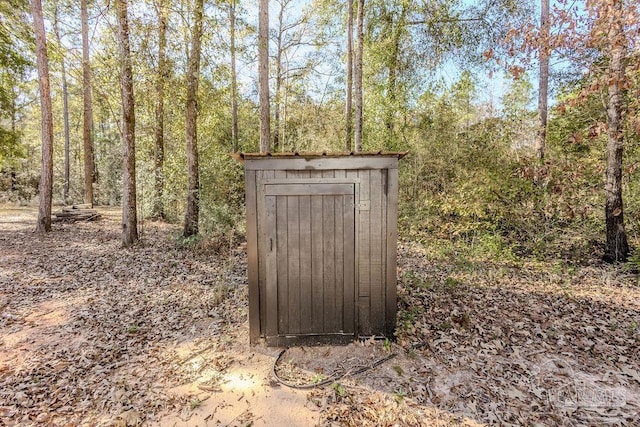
{"points": [[363, 205]]}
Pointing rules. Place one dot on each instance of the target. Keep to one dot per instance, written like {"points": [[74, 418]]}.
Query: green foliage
{"points": [[399, 395], [471, 187], [339, 390], [189, 242], [21, 187], [10, 148], [14, 37], [457, 180], [195, 404], [317, 378]]}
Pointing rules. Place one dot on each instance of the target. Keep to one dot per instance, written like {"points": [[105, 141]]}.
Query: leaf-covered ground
{"points": [[93, 334], [523, 343]]}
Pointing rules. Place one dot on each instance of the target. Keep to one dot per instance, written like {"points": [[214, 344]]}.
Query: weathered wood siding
{"points": [[321, 240], [306, 258]]}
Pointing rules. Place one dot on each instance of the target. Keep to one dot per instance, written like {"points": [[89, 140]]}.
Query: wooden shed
{"points": [[321, 243]]}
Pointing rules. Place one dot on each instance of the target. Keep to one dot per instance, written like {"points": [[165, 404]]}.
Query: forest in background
{"points": [[474, 180]]}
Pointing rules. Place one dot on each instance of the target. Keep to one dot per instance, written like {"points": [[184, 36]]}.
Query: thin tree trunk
{"points": [[65, 110], [285, 110], [191, 128], [277, 96], [46, 176], [87, 131], [14, 110], [358, 76], [543, 83], [392, 81], [617, 247], [234, 78], [348, 107], [158, 205], [263, 74], [129, 213]]}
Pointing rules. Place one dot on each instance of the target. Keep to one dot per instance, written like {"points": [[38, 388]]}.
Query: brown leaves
{"points": [[575, 138], [488, 54], [359, 406], [483, 342], [508, 344], [581, 39], [516, 71], [129, 418], [95, 326]]}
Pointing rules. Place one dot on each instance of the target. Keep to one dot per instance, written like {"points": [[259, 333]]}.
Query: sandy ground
{"points": [[245, 394]]}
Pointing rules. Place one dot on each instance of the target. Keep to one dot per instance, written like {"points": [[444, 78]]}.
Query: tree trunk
{"points": [[396, 28], [348, 107], [46, 176], [191, 128], [284, 115], [158, 205], [14, 110], [358, 76], [234, 78], [277, 96], [263, 74], [129, 213], [617, 248], [65, 110], [87, 131], [543, 83]]}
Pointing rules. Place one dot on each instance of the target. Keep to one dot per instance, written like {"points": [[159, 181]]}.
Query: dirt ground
{"points": [[93, 334]]}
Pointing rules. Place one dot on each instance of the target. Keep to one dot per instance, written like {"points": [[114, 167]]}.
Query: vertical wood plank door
{"points": [[310, 262]]}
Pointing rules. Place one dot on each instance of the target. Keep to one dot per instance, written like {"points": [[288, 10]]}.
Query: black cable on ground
{"points": [[332, 378]]}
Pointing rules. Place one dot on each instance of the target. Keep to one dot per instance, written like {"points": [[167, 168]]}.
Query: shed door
{"points": [[310, 259]]}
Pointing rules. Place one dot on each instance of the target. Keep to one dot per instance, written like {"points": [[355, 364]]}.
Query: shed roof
{"points": [[241, 157]]}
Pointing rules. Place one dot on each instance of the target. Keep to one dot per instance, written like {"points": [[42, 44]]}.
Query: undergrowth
{"points": [[510, 211]]}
